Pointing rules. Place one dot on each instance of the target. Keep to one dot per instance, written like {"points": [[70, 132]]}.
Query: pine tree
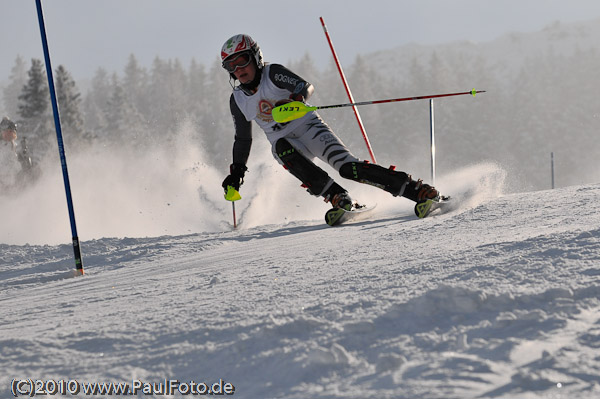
{"points": [[123, 121], [158, 91], [95, 104], [36, 122], [195, 93], [69, 102], [168, 85], [135, 84], [34, 96], [116, 110], [18, 78], [177, 83]]}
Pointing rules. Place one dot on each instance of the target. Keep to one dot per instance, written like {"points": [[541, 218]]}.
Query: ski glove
{"points": [[297, 97], [236, 176], [293, 97]]}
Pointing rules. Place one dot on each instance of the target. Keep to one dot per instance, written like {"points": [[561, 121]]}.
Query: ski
{"points": [[337, 216], [435, 206]]}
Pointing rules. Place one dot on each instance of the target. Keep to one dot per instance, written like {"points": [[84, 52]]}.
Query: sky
{"points": [[84, 35]]}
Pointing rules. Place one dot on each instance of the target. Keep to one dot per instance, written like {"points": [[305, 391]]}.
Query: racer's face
{"points": [[245, 74], [8, 135]]}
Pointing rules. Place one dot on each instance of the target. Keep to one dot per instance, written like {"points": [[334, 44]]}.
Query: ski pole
{"points": [[296, 109], [234, 220], [233, 195]]}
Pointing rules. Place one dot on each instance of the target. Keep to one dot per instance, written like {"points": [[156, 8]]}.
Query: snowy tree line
{"points": [[550, 104], [138, 108]]}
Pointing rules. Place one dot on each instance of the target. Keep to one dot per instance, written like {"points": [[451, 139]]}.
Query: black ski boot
{"points": [[387, 179], [338, 197], [390, 180], [418, 191], [342, 205], [427, 198]]}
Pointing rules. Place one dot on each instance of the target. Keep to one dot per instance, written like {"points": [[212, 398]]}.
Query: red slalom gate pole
{"points": [[345, 82]]}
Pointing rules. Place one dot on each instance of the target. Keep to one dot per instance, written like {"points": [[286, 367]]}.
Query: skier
{"points": [[8, 129], [16, 168], [262, 87], [8, 153]]}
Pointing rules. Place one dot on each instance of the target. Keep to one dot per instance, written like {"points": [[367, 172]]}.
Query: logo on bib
{"points": [[264, 111]]}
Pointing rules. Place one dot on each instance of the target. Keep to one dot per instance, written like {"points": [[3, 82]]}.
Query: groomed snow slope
{"points": [[499, 299]]}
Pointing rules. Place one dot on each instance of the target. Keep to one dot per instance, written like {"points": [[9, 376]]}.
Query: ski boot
{"points": [[340, 201], [427, 198]]}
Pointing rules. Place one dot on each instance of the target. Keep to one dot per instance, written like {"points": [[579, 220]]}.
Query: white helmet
{"points": [[8, 130], [237, 45]]}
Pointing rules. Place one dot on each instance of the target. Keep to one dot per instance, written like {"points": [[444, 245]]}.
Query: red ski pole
{"points": [[233, 195], [234, 220]]}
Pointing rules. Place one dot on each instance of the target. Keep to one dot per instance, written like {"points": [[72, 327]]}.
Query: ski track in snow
{"points": [[498, 299]]}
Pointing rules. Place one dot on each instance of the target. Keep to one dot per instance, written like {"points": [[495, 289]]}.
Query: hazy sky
{"points": [[86, 34]]}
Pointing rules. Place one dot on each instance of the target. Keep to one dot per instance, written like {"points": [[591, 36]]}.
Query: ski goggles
{"points": [[240, 61]]}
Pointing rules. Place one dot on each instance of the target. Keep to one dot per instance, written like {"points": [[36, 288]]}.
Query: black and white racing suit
{"points": [[309, 134]]}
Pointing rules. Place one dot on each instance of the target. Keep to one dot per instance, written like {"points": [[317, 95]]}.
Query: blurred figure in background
{"points": [[16, 168]]}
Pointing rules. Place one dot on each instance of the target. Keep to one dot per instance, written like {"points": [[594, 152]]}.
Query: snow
{"points": [[498, 299]]}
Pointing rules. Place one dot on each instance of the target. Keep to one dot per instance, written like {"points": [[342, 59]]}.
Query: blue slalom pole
{"points": [[59, 137]]}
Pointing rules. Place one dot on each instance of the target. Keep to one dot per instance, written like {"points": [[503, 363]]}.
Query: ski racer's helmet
{"points": [[8, 129], [240, 45]]}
